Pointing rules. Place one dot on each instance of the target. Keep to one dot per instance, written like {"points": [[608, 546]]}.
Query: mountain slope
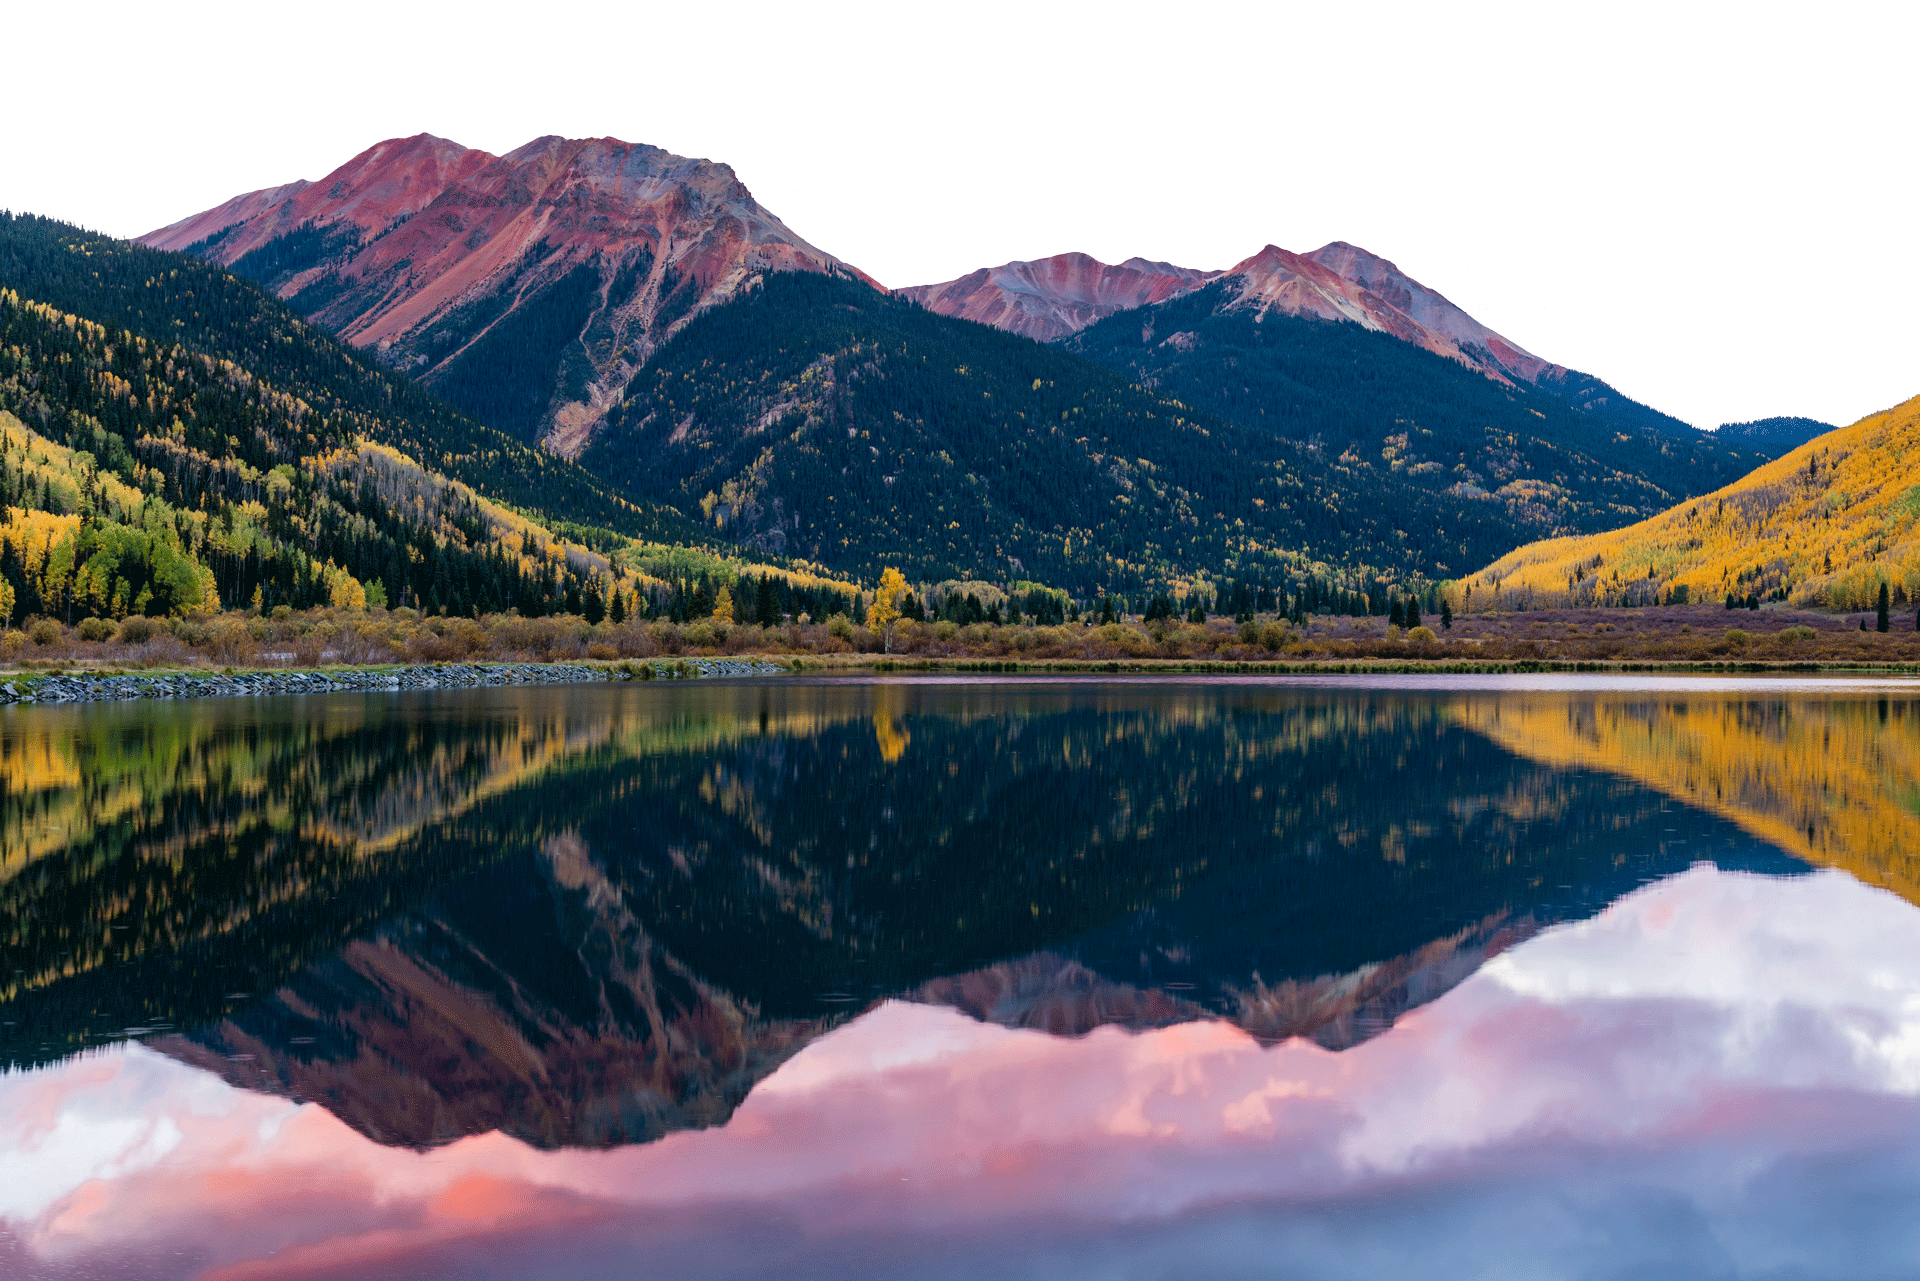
{"points": [[1386, 409], [817, 417], [1824, 527], [526, 288], [178, 440], [168, 298]]}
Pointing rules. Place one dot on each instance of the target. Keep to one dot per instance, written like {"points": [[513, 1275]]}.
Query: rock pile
{"points": [[96, 686]]}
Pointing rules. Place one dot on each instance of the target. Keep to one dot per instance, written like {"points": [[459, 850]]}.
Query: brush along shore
{"points": [[287, 652]]}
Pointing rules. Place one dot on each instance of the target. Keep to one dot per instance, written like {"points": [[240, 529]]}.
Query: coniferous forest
{"points": [[817, 417]]}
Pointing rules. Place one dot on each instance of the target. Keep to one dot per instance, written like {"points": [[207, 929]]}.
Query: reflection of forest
{"points": [[1834, 780], [597, 915]]}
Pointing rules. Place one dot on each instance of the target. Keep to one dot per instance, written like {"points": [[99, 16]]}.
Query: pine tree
{"points": [[1881, 621], [1446, 615], [1412, 619]]}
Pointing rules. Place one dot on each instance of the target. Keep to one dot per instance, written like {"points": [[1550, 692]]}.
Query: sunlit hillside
{"points": [[1831, 780], [1822, 528]]}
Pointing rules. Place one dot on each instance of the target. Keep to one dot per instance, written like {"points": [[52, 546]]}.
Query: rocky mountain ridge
{"points": [[526, 288], [1052, 299]]}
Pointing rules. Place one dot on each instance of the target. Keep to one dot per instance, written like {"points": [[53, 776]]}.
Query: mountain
{"points": [[1051, 298], [176, 439], [1776, 434], [527, 289], [817, 417], [1265, 349], [1822, 527], [1056, 297], [528, 1000]]}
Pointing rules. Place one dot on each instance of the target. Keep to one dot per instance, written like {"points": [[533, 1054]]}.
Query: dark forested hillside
{"points": [[817, 417], [1385, 409], [170, 299], [1772, 436]]}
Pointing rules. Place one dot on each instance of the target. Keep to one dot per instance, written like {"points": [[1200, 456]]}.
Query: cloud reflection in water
{"points": [[1714, 1077]]}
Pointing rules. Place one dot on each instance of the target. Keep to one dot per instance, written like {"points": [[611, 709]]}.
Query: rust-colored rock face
{"points": [[571, 260], [1050, 298], [427, 1032], [1432, 312], [1053, 298]]}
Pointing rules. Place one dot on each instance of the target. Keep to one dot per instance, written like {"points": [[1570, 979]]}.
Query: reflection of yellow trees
{"points": [[1834, 782], [892, 735], [68, 774]]}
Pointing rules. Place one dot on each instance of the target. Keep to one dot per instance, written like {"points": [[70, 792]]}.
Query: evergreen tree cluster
{"points": [[765, 599]]}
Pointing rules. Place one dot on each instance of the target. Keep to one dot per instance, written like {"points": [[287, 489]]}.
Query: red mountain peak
{"points": [[1050, 298], [430, 247]]}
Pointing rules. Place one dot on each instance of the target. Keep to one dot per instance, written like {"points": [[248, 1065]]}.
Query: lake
{"points": [[1343, 978]]}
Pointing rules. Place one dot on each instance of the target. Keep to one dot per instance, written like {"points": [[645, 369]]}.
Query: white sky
{"points": [[1710, 206]]}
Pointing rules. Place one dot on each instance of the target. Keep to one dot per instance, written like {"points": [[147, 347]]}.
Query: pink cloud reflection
{"points": [[1708, 1014]]}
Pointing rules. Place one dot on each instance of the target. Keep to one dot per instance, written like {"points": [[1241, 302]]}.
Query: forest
{"points": [[817, 417]]}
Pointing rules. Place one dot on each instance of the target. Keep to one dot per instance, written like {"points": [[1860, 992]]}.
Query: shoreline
{"points": [[102, 685], [38, 688]]}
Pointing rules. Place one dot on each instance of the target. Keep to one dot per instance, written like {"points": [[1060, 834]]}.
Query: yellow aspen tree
{"points": [[885, 610]]}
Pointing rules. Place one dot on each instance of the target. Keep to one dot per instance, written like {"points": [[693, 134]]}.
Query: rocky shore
{"points": [[85, 687]]}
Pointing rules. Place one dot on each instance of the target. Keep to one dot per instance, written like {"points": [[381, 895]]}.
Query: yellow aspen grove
{"points": [[885, 610], [1824, 527]]}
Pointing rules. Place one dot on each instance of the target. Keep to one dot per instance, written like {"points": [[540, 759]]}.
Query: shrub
{"points": [[136, 629], [1421, 634], [840, 627], [281, 613], [1796, 633], [45, 632], [12, 643], [1273, 636], [1249, 633], [1736, 637], [700, 635], [94, 630]]}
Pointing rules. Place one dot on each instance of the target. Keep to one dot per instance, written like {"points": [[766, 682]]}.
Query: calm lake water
{"points": [[1502, 978]]}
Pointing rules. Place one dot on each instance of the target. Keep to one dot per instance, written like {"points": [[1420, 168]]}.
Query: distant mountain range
{"points": [[1052, 299], [1294, 414]]}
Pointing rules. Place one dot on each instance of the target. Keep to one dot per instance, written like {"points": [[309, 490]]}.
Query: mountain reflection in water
{"points": [[588, 917], [944, 979]]}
